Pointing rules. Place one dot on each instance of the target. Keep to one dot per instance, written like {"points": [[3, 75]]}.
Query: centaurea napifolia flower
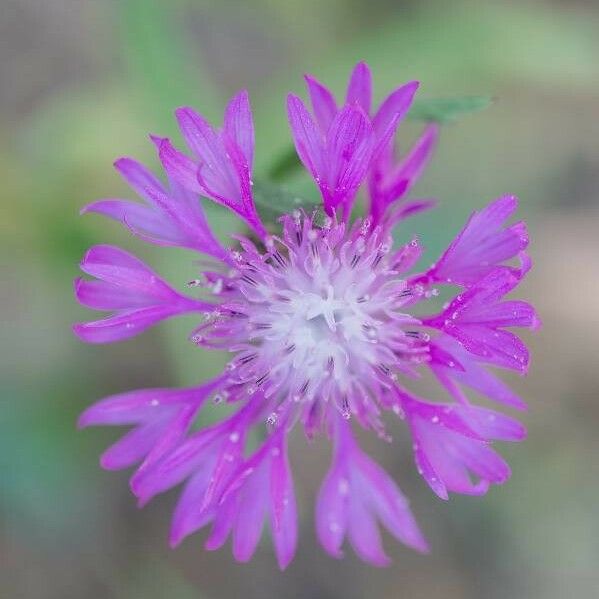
{"points": [[319, 316]]}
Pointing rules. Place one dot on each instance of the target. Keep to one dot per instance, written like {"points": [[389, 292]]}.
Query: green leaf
{"points": [[273, 200], [447, 110]]}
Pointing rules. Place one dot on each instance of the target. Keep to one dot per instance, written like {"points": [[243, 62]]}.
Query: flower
{"points": [[320, 320]]}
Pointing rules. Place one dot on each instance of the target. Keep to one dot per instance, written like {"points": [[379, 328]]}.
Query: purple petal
{"points": [[136, 406], [132, 447], [426, 470], [177, 466], [138, 177], [178, 166], [391, 113], [323, 103], [250, 517], [125, 325], [332, 512], [137, 218], [308, 139], [349, 149], [391, 506], [364, 535], [115, 266], [492, 425], [189, 515], [498, 347], [475, 375], [240, 126], [482, 244], [359, 89], [100, 295], [284, 511]]}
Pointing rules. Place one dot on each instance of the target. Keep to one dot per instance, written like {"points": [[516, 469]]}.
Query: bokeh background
{"points": [[83, 81]]}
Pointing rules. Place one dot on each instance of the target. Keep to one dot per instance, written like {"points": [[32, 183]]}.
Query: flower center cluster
{"points": [[316, 319]]}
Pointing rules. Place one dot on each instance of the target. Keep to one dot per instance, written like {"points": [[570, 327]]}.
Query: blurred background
{"points": [[84, 81]]}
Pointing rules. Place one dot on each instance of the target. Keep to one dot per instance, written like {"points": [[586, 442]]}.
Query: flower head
{"points": [[319, 318]]}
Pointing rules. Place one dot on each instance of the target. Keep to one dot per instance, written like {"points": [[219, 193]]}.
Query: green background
{"points": [[83, 82]]}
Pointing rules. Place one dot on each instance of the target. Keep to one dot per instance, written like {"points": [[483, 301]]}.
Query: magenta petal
{"points": [[178, 166], [308, 139], [391, 113], [115, 266], [349, 150], [124, 325], [139, 178], [189, 515], [199, 135], [138, 218], [250, 519], [482, 245], [323, 103], [132, 447], [426, 470], [332, 512], [100, 295], [411, 167], [240, 126], [471, 373], [223, 523], [359, 89], [364, 535], [391, 506], [175, 467], [284, 511], [492, 425], [135, 406]]}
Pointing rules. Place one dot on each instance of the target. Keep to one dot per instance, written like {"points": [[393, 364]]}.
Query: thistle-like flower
{"points": [[319, 317]]}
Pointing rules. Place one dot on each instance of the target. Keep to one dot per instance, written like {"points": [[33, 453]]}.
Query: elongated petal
{"points": [[390, 506], [415, 161], [498, 347], [178, 166], [349, 150], [240, 126], [332, 512], [138, 177], [391, 113], [132, 447], [359, 89], [126, 324], [142, 404], [283, 512], [364, 535], [482, 244], [250, 518], [118, 267], [491, 425], [308, 139], [471, 373], [323, 103], [138, 218], [189, 515], [100, 295]]}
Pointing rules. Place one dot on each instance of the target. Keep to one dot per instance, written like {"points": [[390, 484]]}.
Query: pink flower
{"points": [[321, 324]]}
